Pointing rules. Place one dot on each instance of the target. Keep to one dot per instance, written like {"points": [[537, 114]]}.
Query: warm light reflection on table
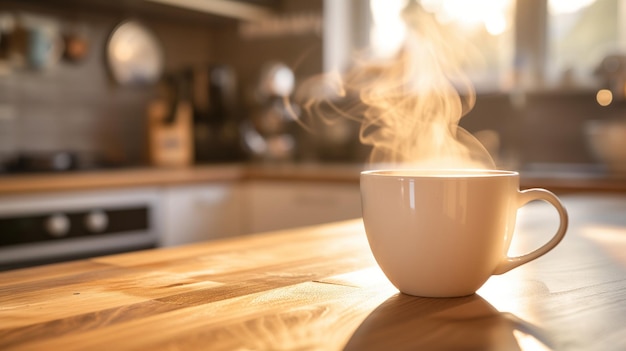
{"points": [[319, 288], [571, 299]]}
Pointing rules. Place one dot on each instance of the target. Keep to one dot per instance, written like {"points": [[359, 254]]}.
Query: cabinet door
{"points": [[280, 205], [201, 212]]}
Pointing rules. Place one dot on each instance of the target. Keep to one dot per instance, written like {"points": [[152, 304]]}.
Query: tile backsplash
{"points": [[75, 105]]}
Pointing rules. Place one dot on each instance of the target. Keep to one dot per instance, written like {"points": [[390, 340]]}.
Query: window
{"points": [[487, 24], [580, 34], [555, 44]]}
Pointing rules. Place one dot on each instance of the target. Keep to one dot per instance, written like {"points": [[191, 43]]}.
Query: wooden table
{"points": [[319, 288]]}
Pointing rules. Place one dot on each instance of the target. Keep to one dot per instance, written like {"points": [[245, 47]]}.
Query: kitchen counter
{"points": [[153, 176], [572, 178], [319, 288], [560, 180], [115, 178]]}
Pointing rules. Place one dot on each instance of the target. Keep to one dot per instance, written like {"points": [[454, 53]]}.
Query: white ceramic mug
{"points": [[443, 233]]}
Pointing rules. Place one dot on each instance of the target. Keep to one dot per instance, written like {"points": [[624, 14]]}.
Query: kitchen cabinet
{"points": [[198, 204], [273, 205], [201, 212], [208, 211]]}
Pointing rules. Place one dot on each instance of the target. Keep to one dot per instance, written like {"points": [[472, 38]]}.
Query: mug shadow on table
{"points": [[406, 322]]}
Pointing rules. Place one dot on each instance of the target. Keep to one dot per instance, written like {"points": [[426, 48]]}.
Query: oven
{"points": [[60, 226]]}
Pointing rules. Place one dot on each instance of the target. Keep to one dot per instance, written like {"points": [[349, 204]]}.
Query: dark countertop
{"points": [[569, 178]]}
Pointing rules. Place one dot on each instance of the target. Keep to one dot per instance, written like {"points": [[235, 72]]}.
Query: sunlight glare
{"points": [[604, 97], [496, 24], [388, 30], [557, 7], [489, 13]]}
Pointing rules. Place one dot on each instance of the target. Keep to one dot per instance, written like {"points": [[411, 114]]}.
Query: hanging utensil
{"points": [[76, 44], [134, 54]]}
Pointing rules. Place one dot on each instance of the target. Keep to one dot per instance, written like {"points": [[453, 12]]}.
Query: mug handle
{"points": [[524, 197]]}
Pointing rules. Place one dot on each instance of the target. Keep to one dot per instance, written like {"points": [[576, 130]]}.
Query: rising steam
{"points": [[411, 105]]}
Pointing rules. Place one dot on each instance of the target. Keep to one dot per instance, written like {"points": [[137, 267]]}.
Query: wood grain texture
{"points": [[319, 288]]}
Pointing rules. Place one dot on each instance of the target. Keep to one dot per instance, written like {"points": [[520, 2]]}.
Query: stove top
{"points": [[53, 161]]}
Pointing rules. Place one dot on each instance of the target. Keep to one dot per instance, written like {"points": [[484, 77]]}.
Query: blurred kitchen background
{"points": [[132, 124], [545, 63]]}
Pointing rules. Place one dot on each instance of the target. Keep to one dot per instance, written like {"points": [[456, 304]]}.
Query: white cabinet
{"points": [[272, 205], [201, 212]]}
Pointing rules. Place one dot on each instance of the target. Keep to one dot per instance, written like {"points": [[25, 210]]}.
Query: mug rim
{"points": [[438, 173]]}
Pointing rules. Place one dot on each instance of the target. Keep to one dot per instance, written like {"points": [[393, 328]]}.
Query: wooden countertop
{"points": [[559, 182], [149, 176], [318, 288]]}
